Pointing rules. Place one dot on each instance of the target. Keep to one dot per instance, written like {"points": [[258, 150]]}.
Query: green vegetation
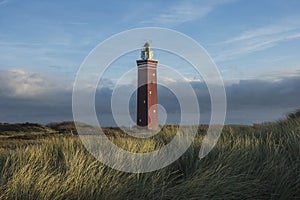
{"points": [[248, 162]]}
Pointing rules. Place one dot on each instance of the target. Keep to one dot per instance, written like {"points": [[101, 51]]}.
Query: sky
{"points": [[254, 44]]}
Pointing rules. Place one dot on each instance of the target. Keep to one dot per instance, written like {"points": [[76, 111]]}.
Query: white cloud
{"points": [[258, 39], [180, 14], [278, 75], [264, 31], [184, 11], [19, 83]]}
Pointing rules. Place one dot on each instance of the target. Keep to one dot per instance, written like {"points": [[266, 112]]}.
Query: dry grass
{"points": [[261, 162]]}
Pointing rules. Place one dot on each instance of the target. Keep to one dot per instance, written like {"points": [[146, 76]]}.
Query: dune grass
{"points": [[249, 162]]}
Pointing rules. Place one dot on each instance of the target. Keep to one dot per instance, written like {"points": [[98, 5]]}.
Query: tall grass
{"points": [[261, 162]]}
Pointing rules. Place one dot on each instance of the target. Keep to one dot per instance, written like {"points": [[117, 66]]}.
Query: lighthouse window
{"points": [[150, 92]]}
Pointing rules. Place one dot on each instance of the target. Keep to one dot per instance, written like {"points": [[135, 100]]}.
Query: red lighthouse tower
{"points": [[147, 90]]}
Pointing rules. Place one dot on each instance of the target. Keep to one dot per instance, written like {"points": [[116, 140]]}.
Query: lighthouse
{"points": [[147, 116]]}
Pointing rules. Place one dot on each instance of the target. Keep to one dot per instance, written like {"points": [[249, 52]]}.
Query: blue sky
{"points": [[248, 40], [253, 37]]}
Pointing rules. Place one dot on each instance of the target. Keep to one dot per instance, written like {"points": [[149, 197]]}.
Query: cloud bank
{"points": [[37, 97]]}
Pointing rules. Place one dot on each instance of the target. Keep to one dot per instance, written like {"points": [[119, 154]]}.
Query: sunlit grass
{"points": [[247, 162]]}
